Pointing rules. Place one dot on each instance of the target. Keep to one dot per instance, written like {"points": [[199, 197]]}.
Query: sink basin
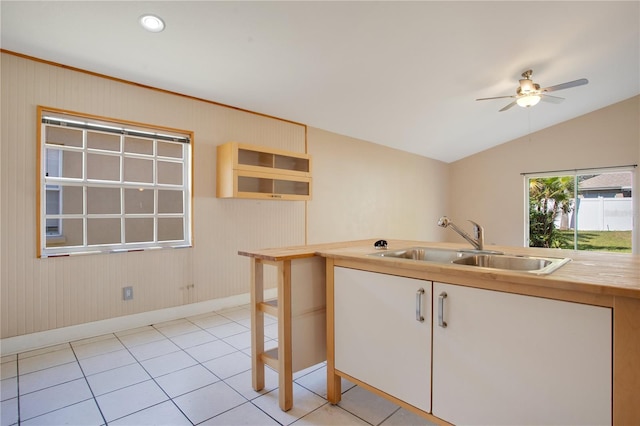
{"points": [[482, 259], [422, 253], [537, 265]]}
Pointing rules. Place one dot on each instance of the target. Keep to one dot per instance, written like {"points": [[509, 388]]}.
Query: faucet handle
{"points": [[475, 224], [478, 231], [444, 222]]}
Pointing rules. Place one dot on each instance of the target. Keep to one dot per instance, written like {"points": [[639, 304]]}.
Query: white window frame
{"points": [[54, 245], [56, 188], [575, 173]]}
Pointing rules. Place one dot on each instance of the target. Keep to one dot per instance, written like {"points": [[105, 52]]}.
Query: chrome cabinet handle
{"points": [[419, 294], [441, 322]]}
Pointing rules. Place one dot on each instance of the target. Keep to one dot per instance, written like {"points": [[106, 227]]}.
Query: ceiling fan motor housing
{"points": [[527, 86]]}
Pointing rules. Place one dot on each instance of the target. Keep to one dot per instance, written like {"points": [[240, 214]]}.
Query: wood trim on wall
{"points": [[145, 86]]}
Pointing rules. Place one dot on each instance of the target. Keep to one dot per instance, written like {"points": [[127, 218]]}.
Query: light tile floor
{"points": [[192, 371]]}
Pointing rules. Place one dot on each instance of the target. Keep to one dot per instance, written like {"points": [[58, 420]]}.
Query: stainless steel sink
{"points": [[422, 253], [537, 265], [482, 259]]}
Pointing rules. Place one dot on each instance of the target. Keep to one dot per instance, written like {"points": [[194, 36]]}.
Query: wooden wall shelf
{"points": [[249, 171]]}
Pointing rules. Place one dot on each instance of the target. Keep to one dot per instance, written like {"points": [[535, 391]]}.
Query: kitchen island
{"points": [[603, 289]]}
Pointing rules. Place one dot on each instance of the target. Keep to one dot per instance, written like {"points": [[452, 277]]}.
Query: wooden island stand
{"points": [[300, 308]]}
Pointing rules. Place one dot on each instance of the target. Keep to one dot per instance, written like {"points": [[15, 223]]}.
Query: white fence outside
{"points": [[604, 214]]}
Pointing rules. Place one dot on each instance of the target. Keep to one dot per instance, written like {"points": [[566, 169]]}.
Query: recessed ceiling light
{"points": [[151, 23]]}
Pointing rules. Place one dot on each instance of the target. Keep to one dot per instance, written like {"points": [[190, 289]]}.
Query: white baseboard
{"points": [[42, 339]]}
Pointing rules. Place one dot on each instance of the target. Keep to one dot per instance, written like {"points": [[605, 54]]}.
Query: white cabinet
{"points": [[379, 338], [512, 359]]}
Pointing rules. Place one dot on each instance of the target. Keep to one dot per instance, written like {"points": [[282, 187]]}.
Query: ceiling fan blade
{"points": [[567, 85], [497, 97], [508, 106], [551, 99]]}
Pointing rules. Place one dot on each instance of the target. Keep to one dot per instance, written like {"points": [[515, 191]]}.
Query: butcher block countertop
{"points": [[596, 273]]}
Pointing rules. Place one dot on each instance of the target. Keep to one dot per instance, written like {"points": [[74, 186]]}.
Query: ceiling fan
{"points": [[529, 93]]}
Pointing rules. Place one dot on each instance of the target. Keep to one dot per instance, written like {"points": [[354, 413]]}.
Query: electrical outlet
{"points": [[127, 293]]}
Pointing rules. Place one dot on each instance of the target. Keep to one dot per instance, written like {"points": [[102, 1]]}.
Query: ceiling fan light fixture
{"points": [[528, 101], [151, 23]]}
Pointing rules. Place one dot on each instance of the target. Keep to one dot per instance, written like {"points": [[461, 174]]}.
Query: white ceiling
{"points": [[402, 74]]}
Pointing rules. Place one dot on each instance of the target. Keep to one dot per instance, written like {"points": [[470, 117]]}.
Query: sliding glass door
{"points": [[581, 210]]}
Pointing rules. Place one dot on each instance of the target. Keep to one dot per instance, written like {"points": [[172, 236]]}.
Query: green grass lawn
{"points": [[616, 241]]}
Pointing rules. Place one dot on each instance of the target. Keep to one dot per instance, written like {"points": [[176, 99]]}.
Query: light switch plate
{"points": [[127, 293]]}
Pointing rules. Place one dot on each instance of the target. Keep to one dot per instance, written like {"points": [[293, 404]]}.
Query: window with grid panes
{"points": [[109, 186]]}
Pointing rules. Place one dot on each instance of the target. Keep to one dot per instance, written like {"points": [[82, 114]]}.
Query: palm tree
{"points": [[547, 198]]}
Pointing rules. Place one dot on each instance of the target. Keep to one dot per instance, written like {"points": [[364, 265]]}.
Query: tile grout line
{"points": [[223, 380], [18, 388], [309, 413], [276, 388], [197, 363], [154, 381], [177, 332], [136, 361], [247, 400], [88, 385], [388, 417], [20, 420]]}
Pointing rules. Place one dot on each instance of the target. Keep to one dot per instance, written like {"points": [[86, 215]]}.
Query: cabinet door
{"points": [[378, 339], [512, 359]]}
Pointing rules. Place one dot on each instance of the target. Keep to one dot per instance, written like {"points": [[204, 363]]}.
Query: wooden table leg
{"points": [[285, 366], [257, 324]]}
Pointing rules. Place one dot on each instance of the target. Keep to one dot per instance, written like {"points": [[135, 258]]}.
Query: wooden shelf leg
{"points": [[334, 384], [257, 324], [285, 366]]}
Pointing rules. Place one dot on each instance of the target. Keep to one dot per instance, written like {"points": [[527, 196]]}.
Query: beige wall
{"points": [[360, 190], [489, 188], [363, 190], [42, 294]]}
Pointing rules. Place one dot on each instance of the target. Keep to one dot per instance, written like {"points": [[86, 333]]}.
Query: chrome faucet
{"points": [[477, 241]]}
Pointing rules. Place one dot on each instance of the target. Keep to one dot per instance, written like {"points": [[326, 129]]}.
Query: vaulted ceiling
{"points": [[401, 74]]}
